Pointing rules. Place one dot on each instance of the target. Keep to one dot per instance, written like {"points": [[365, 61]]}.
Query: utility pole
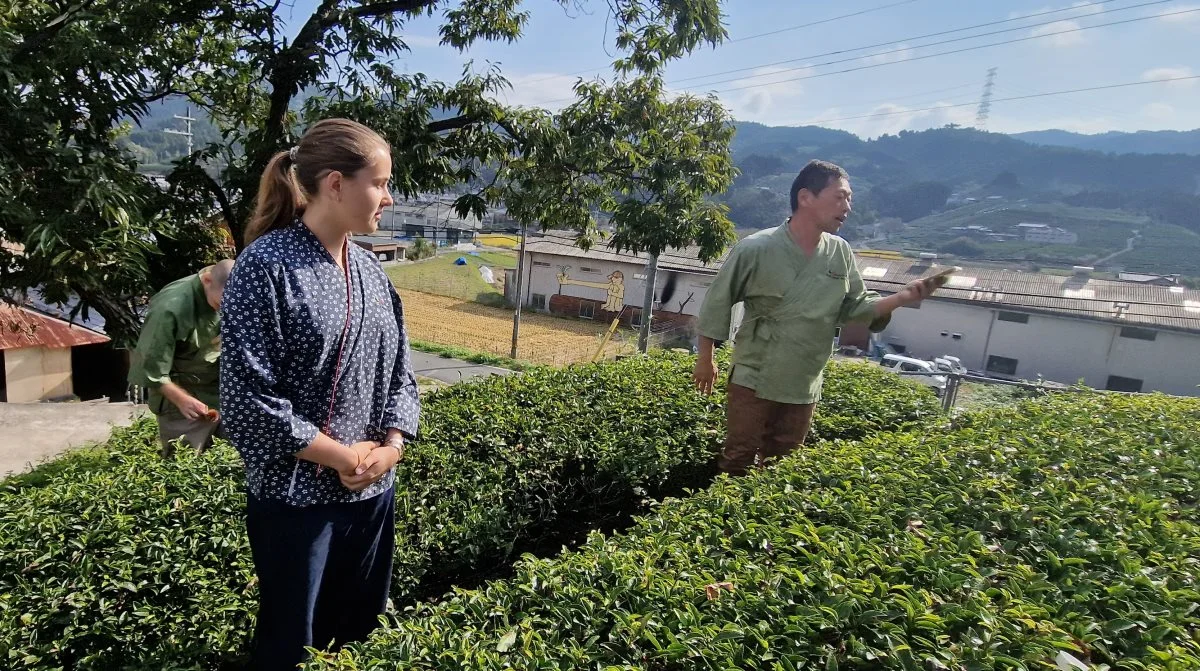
{"points": [[648, 304], [519, 293], [187, 119]]}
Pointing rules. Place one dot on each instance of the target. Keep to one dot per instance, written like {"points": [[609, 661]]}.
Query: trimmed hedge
{"points": [[1061, 534], [144, 564]]}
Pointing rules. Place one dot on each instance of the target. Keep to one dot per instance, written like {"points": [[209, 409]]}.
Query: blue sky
{"points": [[897, 83]]}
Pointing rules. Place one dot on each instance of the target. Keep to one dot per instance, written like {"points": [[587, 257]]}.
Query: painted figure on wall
{"points": [[615, 286]]}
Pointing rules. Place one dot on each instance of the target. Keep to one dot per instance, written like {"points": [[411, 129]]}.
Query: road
{"points": [[1128, 248], [31, 433], [451, 371]]}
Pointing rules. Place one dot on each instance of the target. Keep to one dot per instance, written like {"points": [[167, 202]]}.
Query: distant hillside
{"points": [[1111, 239], [1141, 142], [902, 182], [959, 156]]}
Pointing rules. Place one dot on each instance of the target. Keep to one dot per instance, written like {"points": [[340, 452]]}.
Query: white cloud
{"points": [[1062, 39], [1172, 73], [900, 53], [769, 99], [1191, 17], [1158, 112], [541, 89], [1079, 8], [422, 41], [890, 118], [1088, 7]]}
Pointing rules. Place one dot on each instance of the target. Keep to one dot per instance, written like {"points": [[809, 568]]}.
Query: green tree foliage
{"points": [[911, 201], [75, 81], [962, 246], [1006, 180]]}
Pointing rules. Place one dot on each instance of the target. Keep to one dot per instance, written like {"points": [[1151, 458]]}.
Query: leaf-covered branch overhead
{"points": [[78, 81]]}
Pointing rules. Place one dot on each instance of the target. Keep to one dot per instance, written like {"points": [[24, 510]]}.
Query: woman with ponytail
{"points": [[317, 393]]}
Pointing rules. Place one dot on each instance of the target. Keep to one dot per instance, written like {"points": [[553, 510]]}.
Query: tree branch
{"points": [[219, 193], [47, 33], [379, 8], [453, 123]]}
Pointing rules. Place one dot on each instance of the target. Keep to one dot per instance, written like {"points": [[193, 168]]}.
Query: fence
{"points": [[954, 384]]}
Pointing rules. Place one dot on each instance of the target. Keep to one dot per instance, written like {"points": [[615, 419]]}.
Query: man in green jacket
{"points": [[798, 283], [177, 358]]}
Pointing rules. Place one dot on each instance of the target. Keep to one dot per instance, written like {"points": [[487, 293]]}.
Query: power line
{"points": [[906, 60], [829, 20], [997, 100], [1009, 88], [919, 37], [878, 101], [754, 37], [943, 53], [957, 51]]}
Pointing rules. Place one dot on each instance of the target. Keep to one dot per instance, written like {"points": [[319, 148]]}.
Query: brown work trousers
{"points": [[197, 434], [760, 431]]}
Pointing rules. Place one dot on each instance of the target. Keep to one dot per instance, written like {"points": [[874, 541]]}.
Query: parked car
{"points": [[906, 364], [950, 364]]}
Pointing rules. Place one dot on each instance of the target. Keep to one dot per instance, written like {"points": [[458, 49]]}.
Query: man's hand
{"points": [[192, 407], [916, 291], [373, 467], [705, 374]]}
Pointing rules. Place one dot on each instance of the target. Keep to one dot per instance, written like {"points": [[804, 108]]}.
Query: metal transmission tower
{"points": [[187, 117], [985, 101]]}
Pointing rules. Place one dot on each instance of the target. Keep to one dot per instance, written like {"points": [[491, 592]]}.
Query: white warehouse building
{"points": [[1109, 334], [1122, 336]]}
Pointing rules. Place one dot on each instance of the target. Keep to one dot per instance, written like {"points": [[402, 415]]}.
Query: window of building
{"points": [[587, 309], [1118, 383], [589, 270], [1002, 365], [1014, 317], [1138, 333], [539, 301], [635, 320], [541, 264]]}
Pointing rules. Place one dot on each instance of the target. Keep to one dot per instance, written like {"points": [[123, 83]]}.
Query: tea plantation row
{"points": [[1063, 534], [143, 564]]}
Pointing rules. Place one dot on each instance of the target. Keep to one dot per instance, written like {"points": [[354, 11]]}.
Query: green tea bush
{"points": [[1060, 534], [143, 564]]}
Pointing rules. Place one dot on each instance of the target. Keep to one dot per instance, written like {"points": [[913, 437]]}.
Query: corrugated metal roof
{"points": [[21, 327], [683, 260], [1174, 308], [94, 321], [1075, 296]]}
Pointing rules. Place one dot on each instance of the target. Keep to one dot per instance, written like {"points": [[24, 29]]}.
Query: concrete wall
{"points": [[1053, 347], [543, 270], [675, 319], [34, 374]]}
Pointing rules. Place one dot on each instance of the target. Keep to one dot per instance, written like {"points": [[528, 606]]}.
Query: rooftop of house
{"points": [[22, 327], [559, 243], [1080, 295]]}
